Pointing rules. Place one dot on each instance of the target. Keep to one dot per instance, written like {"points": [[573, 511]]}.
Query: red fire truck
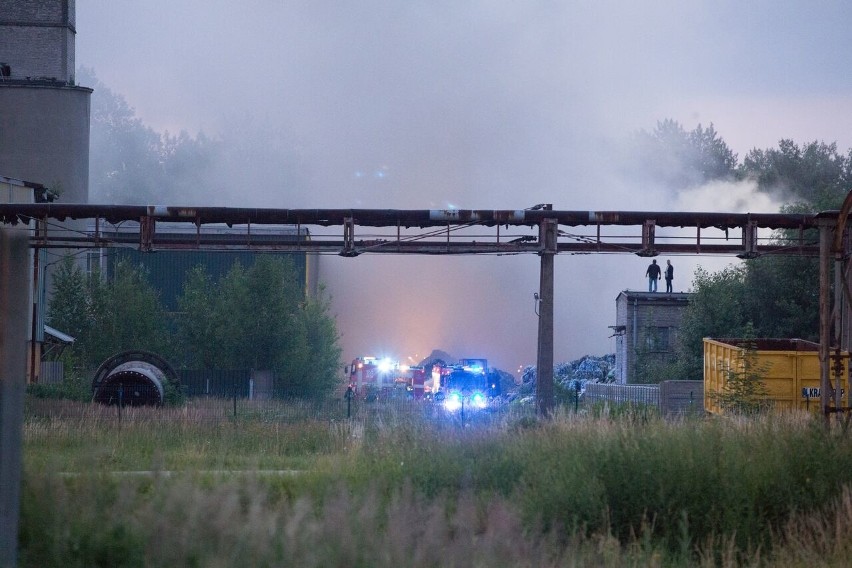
{"points": [[373, 379]]}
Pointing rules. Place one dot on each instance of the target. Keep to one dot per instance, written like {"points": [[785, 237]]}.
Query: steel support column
{"points": [[544, 364], [14, 307], [825, 236]]}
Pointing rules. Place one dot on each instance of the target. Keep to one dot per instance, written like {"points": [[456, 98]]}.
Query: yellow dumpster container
{"points": [[791, 377]]}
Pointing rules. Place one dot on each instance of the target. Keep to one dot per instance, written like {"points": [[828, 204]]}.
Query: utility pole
{"points": [[544, 365], [14, 307]]}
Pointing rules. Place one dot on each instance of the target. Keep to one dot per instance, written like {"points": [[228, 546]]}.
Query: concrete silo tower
{"points": [[44, 123], [44, 116]]}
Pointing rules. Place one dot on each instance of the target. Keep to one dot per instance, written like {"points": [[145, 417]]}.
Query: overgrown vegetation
{"points": [[74, 387], [744, 391], [776, 293], [255, 317], [402, 490]]}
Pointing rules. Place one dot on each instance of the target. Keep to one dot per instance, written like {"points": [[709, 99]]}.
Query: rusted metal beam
{"points": [[13, 213], [824, 319], [453, 224], [649, 230], [352, 247]]}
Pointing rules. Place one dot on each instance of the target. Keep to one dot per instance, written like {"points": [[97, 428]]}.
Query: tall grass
{"points": [[90, 437], [410, 490]]}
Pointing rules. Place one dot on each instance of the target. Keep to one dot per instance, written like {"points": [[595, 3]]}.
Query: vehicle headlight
{"points": [[478, 400], [453, 402]]}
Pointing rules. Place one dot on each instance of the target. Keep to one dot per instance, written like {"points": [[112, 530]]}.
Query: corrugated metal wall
{"points": [[167, 271]]}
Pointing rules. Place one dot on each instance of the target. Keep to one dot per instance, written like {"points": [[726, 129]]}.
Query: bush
{"points": [[71, 388]]}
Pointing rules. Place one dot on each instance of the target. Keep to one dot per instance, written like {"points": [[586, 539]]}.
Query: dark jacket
{"points": [[653, 271]]}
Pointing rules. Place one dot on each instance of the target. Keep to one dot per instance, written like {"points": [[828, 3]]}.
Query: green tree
{"points": [[715, 310], [781, 297], [260, 305], [777, 294], [68, 306], [813, 176], [319, 353], [68, 312], [124, 314], [258, 318], [197, 324], [107, 317]]}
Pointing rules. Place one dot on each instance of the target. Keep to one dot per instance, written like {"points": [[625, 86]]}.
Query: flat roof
{"points": [[671, 297]]}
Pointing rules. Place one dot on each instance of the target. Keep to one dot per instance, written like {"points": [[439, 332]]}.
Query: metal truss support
{"points": [[649, 228], [348, 238], [749, 241], [825, 235], [147, 228]]}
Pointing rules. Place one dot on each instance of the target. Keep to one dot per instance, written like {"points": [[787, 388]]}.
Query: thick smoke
{"points": [[438, 104]]}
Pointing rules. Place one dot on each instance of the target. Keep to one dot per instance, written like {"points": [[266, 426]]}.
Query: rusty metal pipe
{"points": [[13, 213]]}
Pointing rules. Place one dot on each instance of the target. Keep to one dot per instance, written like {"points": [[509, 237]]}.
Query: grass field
{"points": [[176, 487]]}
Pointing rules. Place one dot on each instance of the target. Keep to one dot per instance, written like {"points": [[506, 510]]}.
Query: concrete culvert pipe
{"points": [[133, 378], [131, 387]]}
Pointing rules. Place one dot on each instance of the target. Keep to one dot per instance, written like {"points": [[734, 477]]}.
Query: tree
{"points": [[715, 310], [107, 317], [258, 318], [68, 306], [778, 295], [197, 327], [814, 176], [316, 358], [677, 159], [68, 312], [132, 163], [744, 391], [125, 314]]}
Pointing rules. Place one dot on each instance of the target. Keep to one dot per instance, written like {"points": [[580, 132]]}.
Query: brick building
{"points": [[646, 331]]}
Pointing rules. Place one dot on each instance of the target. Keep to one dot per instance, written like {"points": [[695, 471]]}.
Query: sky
{"points": [[475, 104]]}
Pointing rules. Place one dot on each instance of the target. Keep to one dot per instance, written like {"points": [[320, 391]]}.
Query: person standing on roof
{"points": [[653, 274], [669, 276]]}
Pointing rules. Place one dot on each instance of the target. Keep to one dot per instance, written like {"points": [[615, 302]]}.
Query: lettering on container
{"points": [[813, 392]]}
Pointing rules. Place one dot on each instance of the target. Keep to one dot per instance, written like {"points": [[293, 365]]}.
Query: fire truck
{"points": [[418, 385], [468, 381], [465, 385], [371, 378]]}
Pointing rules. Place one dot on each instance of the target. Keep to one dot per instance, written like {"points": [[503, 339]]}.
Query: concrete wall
{"points": [[682, 397], [44, 125], [44, 137]]}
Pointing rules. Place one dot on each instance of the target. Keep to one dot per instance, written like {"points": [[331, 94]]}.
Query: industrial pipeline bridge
{"points": [[539, 230]]}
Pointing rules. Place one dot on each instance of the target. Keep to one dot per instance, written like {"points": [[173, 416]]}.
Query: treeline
{"points": [[254, 317], [769, 296], [776, 295]]}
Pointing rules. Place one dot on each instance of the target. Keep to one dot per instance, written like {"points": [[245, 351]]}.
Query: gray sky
{"points": [[475, 104]]}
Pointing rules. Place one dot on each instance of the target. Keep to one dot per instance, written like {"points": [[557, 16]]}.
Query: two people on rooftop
{"points": [[654, 273]]}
